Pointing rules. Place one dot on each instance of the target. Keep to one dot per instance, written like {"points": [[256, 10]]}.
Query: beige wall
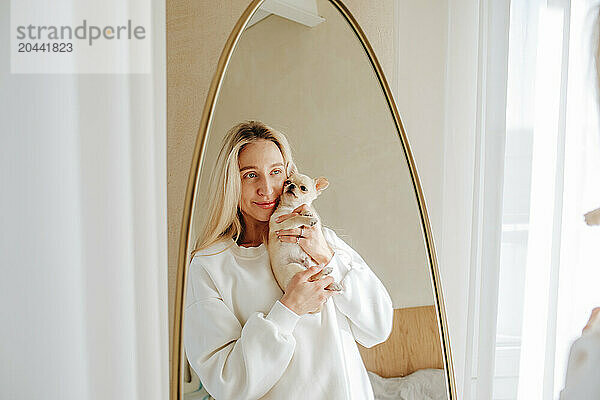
{"points": [[196, 34], [317, 86]]}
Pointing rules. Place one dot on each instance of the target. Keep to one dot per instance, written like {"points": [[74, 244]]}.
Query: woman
{"points": [[243, 336]]}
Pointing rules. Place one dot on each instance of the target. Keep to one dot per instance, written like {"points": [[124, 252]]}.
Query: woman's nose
{"points": [[266, 188]]}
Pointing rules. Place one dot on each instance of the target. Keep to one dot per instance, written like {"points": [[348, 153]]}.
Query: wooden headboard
{"points": [[413, 344]]}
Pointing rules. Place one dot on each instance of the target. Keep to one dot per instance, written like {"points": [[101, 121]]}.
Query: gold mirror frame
{"points": [[190, 197]]}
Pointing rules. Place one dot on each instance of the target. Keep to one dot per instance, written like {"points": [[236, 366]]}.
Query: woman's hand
{"points": [[303, 294], [310, 238], [594, 319]]}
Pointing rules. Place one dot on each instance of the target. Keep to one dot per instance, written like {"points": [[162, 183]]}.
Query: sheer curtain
{"points": [[83, 230], [549, 258], [579, 272]]}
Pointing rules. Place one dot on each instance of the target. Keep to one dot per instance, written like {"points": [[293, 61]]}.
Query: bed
{"points": [[409, 365]]}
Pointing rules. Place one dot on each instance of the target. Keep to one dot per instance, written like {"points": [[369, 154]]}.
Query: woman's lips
{"points": [[266, 205]]}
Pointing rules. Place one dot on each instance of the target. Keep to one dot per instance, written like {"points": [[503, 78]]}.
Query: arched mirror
{"points": [[307, 70]]}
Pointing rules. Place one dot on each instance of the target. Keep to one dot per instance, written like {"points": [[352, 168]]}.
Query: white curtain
{"points": [[549, 260], [560, 289], [579, 272], [84, 238]]}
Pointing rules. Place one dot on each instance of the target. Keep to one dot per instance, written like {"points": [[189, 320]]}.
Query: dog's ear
{"points": [[321, 184], [290, 168]]}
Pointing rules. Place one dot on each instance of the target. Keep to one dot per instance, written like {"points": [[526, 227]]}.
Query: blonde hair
{"points": [[224, 217]]}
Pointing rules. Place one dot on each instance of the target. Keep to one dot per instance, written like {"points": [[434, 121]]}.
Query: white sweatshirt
{"points": [[582, 381], [245, 344]]}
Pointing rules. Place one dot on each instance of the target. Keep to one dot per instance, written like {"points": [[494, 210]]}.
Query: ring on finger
{"points": [[302, 231]]}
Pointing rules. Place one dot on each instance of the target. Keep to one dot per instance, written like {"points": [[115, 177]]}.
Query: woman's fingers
{"points": [[593, 318], [309, 273], [324, 282], [293, 239], [303, 296], [300, 209], [283, 217], [293, 232]]}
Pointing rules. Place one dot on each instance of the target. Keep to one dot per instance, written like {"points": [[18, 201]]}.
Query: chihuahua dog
{"points": [[287, 259]]}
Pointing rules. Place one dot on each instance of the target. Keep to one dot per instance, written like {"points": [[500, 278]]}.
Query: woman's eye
{"points": [[303, 188], [251, 175], [277, 171]]}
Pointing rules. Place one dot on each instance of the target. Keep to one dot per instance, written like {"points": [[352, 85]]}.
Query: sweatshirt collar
{"points": [[248, 252]]}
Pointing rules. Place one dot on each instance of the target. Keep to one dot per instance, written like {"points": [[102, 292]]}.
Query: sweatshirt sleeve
{"points": [[364, 300], [231, 360]]}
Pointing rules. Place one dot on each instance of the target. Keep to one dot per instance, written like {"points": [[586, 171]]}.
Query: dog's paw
{"points": [[323, 273], [326, 271], [336, 287]]}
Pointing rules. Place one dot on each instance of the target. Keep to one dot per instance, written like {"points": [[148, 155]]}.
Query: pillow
{"points": [[424, 384]]}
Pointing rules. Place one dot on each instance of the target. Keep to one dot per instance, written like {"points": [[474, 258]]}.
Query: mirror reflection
{"points": [[302, 131]]}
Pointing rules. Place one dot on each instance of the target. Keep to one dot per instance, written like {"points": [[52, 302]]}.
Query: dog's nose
{"points": [[292, 186]]}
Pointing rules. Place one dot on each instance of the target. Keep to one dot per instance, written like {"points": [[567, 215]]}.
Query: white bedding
{"points": [[424, 384]]}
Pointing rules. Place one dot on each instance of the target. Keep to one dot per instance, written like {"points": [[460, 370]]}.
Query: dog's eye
{"points": [[303, 188], [287, 182]]}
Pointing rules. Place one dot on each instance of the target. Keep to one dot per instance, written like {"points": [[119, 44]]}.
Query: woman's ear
{"points": [[321, 184], [290, 168]]}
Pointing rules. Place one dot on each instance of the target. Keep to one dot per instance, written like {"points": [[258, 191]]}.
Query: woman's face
{"points": [[262, 174]]}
